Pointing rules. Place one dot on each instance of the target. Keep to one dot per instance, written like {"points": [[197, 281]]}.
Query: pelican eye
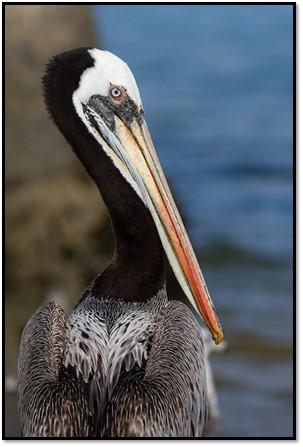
{"points": [[116, 92]]}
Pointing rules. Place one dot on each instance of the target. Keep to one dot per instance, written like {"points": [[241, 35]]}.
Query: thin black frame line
{"points": [[294, 89]]}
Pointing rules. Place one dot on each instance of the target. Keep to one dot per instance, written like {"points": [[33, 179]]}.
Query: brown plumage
{"points": [[146, 380]]}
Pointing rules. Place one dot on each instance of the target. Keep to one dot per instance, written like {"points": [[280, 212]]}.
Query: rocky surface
{"points": [[34, 33]]}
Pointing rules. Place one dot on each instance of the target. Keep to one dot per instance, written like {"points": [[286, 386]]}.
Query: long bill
{"points": [[146, 171], [132, 151]]}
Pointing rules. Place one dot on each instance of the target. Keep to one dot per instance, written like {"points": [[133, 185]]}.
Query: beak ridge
{"points": [[139, 146]]}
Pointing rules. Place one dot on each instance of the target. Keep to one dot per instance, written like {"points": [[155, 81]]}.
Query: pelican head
{"points": [[106, 98]]}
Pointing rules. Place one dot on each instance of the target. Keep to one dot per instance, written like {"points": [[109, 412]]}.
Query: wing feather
{"points": [[168, 397], [51, 403]]}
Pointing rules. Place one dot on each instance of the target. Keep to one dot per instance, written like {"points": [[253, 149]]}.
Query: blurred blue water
{"points": [[216, 84]]}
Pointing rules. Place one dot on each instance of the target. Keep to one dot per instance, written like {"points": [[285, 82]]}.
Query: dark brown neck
{"points": [[137, 269]]}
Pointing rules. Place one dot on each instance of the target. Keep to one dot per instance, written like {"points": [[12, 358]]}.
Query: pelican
{"points": [[127, 362]]}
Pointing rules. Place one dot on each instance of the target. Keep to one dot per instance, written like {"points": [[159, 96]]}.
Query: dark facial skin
{"points": [[126, 109]]}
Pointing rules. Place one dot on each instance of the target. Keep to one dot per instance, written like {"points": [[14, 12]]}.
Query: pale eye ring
{"points": [[116, 92]]}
